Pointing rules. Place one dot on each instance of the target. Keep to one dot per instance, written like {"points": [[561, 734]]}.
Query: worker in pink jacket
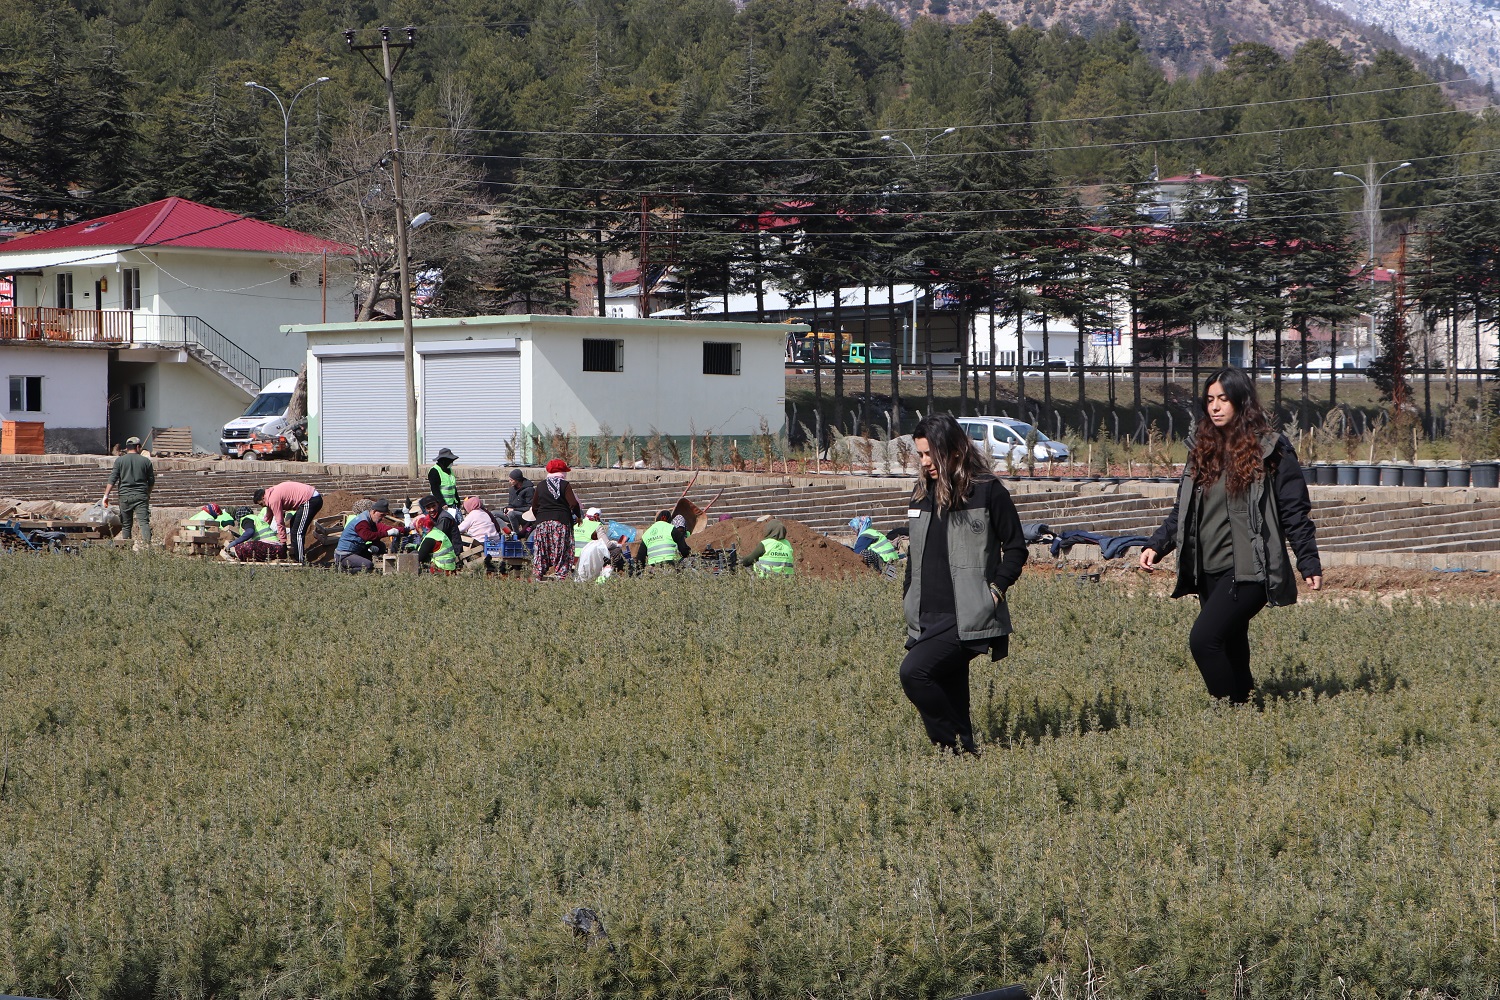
{"points": [[292, 507]]}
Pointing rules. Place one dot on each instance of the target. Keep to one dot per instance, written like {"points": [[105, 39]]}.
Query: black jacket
{"points": [[520, 497], [1273, 518]]}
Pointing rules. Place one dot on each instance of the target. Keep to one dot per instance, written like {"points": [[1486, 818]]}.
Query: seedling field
{"points": [[222, 782]]}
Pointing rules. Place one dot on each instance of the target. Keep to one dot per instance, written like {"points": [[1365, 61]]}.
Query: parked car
{"points": [[1005, 436]]}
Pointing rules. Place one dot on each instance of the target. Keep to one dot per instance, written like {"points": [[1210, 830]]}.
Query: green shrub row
{"points": [[227, 782]]}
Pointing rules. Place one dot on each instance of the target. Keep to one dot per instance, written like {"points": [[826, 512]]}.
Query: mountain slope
{"points": [[1189, 35], [1465, 31]]}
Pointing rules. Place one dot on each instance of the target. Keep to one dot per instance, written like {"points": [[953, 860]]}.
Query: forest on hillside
{"points": [[810, 143]]}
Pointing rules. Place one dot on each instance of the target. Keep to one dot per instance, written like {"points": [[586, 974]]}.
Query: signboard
{"points": [[1109, 338], [7, 295]]}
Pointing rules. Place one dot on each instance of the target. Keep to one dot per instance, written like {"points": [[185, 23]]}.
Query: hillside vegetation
{"points": [[233, 783]]}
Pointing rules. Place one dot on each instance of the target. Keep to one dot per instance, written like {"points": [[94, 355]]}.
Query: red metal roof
{"points": [[177, 222]]}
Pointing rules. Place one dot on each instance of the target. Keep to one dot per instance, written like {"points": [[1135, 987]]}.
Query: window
{"points": [[137, 396], [1004, 434], [65, 290], [25, 393], [1007, 359], [296, 277], [975, 431], [603, 355], [130, 293], [721, 358]]}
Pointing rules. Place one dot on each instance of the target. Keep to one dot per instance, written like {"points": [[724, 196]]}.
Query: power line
{"points": [[1018, 151], [922, 130]]}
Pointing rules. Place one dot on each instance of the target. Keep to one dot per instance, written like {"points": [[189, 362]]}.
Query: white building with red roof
{"points": [[164, 315]]}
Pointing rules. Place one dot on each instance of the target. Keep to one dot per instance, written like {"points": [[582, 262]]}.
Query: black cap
{"points": [[446, 453], [384, 506], [517, 474], [429, 501]]}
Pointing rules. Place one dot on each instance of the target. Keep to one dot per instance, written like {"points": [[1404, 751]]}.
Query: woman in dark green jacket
{"points": [[1241, 501], [966, 550]]}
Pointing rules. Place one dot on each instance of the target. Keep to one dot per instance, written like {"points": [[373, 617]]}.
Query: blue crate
{"points": [[511, 548]]}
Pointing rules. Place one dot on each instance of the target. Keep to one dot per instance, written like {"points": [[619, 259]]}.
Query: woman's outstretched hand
{"points": [[1148, 560]]}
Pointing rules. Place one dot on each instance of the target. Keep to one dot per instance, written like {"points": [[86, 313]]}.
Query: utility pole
{"points": [[387, 70]]}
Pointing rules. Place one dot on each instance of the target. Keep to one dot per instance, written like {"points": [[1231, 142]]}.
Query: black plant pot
{"points": [[1412, 475], [1346, 474], [1435, 475], [1458, 475], [1390, 475], [1485, 475]]}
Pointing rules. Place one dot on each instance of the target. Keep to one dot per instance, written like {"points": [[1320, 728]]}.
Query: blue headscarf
{"points": [[859, 525]]}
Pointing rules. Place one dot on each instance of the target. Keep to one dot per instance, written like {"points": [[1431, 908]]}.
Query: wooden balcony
{"points": [[78, 326]]}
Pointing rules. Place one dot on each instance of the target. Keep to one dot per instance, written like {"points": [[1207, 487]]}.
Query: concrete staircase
{"points": [[1424, 527]]}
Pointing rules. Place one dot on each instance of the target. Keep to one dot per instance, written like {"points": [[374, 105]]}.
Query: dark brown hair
{"points": [[1233, 450], [957, 461]]}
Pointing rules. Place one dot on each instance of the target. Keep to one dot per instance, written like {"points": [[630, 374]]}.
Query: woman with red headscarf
{"points": [[555, 510]]}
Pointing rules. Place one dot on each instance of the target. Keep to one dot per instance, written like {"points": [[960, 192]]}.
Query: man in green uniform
{"points": [[442, 481], [134, 477]]}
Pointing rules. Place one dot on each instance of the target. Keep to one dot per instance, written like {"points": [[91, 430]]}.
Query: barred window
{"points": [[721, 358], [603, 355]]}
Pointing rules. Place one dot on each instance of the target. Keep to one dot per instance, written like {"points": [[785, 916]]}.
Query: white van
{"points": [[1002, 436], [266, 415]]}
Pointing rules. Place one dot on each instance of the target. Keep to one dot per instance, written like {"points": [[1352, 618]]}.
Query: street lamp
{"points": [[286, 137], [1371, 185], [925, 145]]}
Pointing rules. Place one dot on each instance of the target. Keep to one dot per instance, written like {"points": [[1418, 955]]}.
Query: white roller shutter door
{"points": [[471, 403], [362, 409]]}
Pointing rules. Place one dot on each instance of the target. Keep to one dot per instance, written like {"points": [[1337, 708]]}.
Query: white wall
{"points": [[75, 389], [663, 385], [180, 392], [247, 297]]}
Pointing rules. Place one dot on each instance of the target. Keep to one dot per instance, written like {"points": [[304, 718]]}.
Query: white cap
{"points": [[592, 512]]}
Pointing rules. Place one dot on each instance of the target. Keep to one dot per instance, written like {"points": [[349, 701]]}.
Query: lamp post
{"points": [[926, 145], [1371, 185], [286, 137]]}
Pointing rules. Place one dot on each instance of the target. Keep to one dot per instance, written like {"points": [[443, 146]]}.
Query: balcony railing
{"points": [[120, 327], [82, 326]]}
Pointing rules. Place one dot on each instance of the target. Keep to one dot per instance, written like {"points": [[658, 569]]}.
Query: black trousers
{"points": [[935, 676], [301, 520], [1220, 639]]}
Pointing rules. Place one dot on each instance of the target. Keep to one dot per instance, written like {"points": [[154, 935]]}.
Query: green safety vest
{"points": [[223, 520], [263, 531], [776, 559], [447, 486], [583, 533], [880, 545], [443, 557], [659, 545]]}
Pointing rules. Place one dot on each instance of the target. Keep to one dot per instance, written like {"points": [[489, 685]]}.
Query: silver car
{"points": [[1003, 436]]}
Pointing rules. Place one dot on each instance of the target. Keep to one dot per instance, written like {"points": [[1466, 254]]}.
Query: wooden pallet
{"points": [[170, 441]]}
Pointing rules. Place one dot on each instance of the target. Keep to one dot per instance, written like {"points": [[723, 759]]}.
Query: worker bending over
{"points": [[876, 547], [772, 555], [585, 531], [437, 550], [210, 515], [665, 542], [366, 536], [292, 506], [257, 541]]}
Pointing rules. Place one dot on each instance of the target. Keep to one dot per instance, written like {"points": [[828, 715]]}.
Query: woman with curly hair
{"points": [[1241, 501]]}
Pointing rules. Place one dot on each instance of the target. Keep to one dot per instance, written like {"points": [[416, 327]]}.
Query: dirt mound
{"points": [[339, 501], [816, 555]]}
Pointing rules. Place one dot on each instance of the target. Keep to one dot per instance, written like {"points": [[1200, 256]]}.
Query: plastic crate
{"points": [[511, 548]]}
